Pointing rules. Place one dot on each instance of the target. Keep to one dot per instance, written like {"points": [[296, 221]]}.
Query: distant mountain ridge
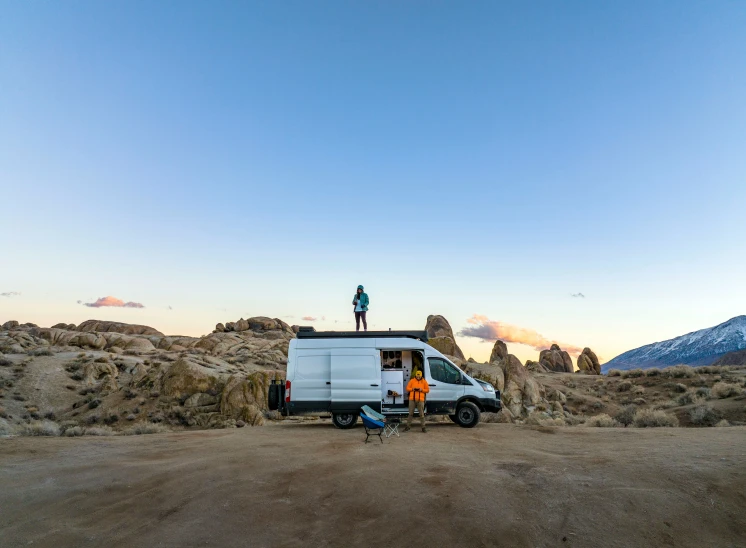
{"points": [[701, 347]]}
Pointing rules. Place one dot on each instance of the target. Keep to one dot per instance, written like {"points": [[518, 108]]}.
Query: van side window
{"points": [[442, 371]]}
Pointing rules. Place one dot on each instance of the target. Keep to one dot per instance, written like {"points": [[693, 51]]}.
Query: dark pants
{"points": [[359, 315]]}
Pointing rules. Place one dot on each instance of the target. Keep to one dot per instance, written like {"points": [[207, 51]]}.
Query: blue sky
{"points": [[232, 159]]}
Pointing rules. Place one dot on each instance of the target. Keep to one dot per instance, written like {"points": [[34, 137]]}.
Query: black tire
{"points": [[453, 418], [467, 415], [344, 420], [273, 398]]}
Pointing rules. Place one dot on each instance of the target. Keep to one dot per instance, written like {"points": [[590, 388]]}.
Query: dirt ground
{"points": [[309, 484]]}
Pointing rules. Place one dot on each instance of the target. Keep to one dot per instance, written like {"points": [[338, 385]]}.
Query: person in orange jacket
{"points": [[417, 388]]}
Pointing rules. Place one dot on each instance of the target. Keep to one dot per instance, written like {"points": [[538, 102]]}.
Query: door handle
{"points": [[433, 385], [374, 385]]}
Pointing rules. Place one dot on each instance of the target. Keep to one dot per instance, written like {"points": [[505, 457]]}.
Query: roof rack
{"points": [[308, 332]]}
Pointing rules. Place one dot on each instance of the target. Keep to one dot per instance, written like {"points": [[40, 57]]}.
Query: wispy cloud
{"points": [[112, 301], [10, 294], [308, 318], [577, 295], [481, 327]]}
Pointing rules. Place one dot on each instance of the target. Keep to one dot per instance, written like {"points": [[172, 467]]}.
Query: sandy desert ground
{"points": [[309, 484]]}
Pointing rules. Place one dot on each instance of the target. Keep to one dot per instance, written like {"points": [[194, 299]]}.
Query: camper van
{"points": [[339, 372]]}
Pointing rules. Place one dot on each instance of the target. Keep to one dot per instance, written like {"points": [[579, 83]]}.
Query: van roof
{"points": [[310, 333]]}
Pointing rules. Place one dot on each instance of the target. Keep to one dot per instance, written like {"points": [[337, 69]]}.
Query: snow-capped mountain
{"points": [[701, 347]]}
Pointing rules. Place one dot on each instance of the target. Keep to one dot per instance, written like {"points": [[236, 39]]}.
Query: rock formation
{"points": [[441, 337], [555, 359], [588, 362], [97, 326]]}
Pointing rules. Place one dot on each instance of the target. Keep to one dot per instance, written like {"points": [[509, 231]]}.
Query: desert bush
{"points": [[99, 431], [19, 397], [111, 418], [678, 387], [74, 431], [654, 372], [92, 419], [626, 416], [688, 398], [5, 362], [102, 359], [93, 404], [131, 417], [49, 415], [40, 352], [650, 418], [3, 413], [6, 429], [87, 390], [130, 394], [633, 373], [639, 401], [703, 392], [602, 421], [624, 386], [144, 428], [722, 423], [614, 373], [704, 415], [679, 372], [41, 428], [77, 376], [725, 390]]}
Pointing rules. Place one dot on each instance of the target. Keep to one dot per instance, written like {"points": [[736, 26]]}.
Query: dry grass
{"points": [[40, 428], [601, 421], [633, 374], [650, 418], [679, 372], [725, 390], [654, 372], [626, 416], [614, 373], [704, 415], [624, 386], [144, 428]]}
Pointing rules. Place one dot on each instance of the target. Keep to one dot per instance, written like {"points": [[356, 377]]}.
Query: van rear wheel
{"points": [[467, 415], [453, 418], [344, 420]]}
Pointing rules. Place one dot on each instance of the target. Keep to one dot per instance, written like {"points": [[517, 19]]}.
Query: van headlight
{"points": [[488, 388]]}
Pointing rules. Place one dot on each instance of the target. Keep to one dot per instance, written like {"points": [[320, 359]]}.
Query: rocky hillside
{"points": [[732, 358], [101, 378], [702, 347]]}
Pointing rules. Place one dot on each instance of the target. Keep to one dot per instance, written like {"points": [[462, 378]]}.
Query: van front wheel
{"points": [[467, 415], [344, 420]]}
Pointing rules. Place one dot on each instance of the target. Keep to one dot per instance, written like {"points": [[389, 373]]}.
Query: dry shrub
{"points": [[654, 372], [689, 398], [679, 372], [41, 428], [704, 415], [624, 386], [725, 390], [102, 359], [678, 387], [722, 424], [5, 362], [99, 431], [703, 392], [614, 373], [650, 418], [144, 428], [40, 352], [6, 429], [627, 415], [633, 374], [602, 421], [74, 431]]}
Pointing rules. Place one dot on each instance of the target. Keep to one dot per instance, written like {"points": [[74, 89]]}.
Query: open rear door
{"points": [[356, 379]]}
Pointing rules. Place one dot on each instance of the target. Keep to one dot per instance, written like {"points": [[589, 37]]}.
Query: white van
{"points": [[339, 372]]}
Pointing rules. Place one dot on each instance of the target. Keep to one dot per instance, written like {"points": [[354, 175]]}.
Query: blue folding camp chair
{"points": [[371, 425], [391, 427]]}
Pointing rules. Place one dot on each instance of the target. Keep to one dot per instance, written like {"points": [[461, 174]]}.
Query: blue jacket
{"points": [[364, 301]]}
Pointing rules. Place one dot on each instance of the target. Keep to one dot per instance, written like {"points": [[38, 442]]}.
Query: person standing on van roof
{"points": [[360, 301], [417, 389]]}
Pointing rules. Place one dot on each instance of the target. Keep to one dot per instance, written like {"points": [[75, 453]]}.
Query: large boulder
{"points": [[440, 336], [184, 378], [98, 326], [588, 362], [499, 352], [12, 324], [245, 398], [555, 359], [521, 391]]}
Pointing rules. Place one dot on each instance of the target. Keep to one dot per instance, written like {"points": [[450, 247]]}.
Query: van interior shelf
{"points": [[308, 332]]}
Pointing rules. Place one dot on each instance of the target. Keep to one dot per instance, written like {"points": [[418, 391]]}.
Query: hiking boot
{"points": [[424, 429], [406, 428]]}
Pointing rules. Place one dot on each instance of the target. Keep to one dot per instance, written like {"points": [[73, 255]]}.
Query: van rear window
{"points": [[313, 367]]}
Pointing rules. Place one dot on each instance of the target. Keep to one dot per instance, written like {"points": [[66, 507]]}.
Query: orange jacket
{"points": [[422, 385]]}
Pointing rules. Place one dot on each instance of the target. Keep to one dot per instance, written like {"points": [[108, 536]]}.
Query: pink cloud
{"points": [[482, 327], [308, 318], [113, 301]]}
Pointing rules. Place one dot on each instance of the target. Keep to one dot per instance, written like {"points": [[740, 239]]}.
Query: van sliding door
{"points": [[356, 379]]}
